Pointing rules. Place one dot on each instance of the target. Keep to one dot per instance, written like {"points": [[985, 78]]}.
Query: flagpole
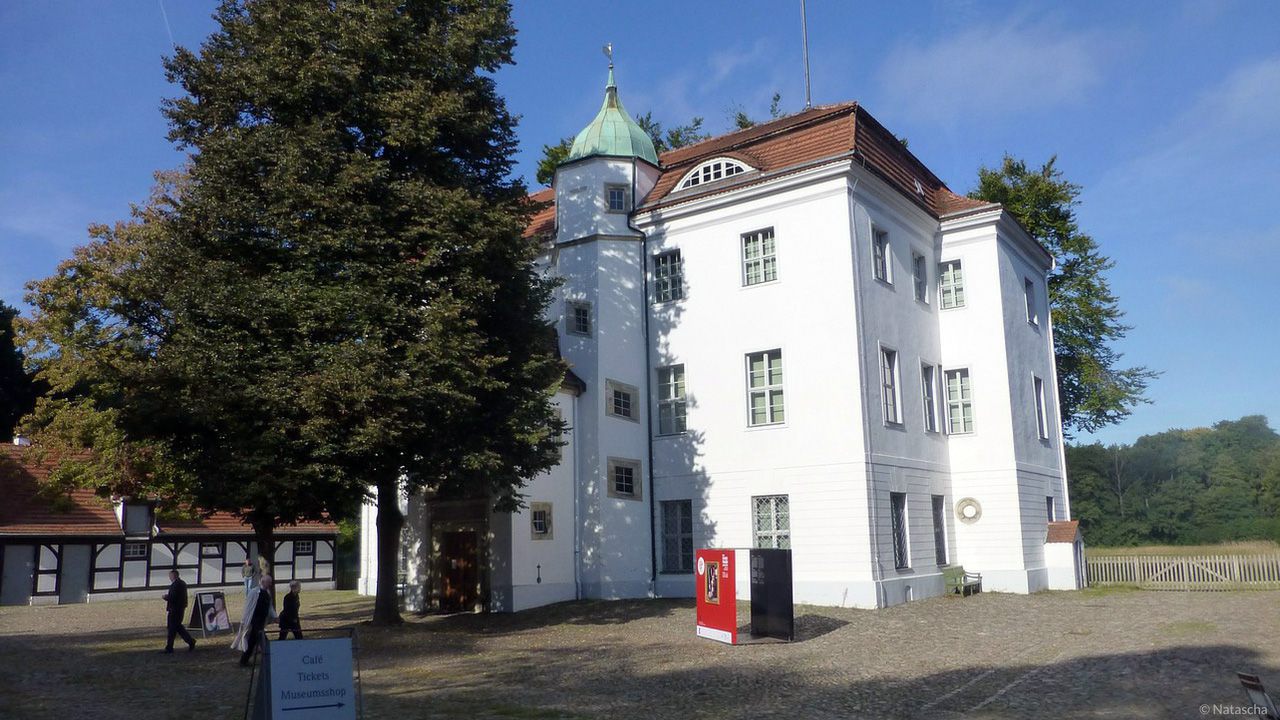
{"points": [[804, 34]]}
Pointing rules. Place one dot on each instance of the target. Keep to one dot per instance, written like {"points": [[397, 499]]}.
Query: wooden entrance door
{"points": [[460, 579]]}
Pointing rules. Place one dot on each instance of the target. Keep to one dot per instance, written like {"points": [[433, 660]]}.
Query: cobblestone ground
{"points": [[1120, 654]]}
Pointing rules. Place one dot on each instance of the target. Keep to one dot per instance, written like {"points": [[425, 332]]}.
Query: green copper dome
{"points": [[613, 132]]}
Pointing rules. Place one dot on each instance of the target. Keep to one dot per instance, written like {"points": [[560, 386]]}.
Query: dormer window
{"points": [[138, 519], [711, 171]]}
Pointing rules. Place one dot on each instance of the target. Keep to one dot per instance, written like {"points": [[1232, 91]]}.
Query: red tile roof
{"points": [[26, 512], [543, 221], [828, 132], [1063, 531]]}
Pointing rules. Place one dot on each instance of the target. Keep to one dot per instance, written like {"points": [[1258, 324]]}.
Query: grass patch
{"points": [[1188, 628], [1096, 591], [1252, 547]]}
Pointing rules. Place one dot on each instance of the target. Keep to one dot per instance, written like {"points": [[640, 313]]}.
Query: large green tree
{"points": [[347, 300], [18, 390], [1094, 390]]}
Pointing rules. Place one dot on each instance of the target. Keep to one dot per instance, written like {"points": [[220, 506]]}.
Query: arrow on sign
{"points": [[313, 707]]}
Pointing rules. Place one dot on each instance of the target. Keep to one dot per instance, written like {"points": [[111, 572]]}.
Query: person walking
{"points": [[248, 572], [176, 605], [289, 622], [259, 608]]}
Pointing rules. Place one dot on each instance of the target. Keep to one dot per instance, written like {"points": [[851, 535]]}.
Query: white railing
{"points": [[1186, 572]]}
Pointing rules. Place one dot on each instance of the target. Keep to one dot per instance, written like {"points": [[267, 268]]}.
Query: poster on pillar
{"points": [[717, 615]]}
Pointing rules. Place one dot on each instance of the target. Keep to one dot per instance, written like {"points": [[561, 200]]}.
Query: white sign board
{"points": [[310, 680]]}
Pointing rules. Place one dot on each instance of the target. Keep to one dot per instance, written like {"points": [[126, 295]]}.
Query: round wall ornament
{"points": [[968, 510]]}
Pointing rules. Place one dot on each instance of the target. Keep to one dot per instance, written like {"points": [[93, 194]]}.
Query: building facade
{"points": [[794, 335]]}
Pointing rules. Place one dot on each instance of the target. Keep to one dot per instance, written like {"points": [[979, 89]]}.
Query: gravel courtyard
{"points": [[1109, 654]]}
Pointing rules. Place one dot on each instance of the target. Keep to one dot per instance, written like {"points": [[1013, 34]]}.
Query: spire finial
{"points": [[608, 52]]}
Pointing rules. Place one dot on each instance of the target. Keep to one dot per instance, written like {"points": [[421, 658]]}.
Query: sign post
{"points": [[306, 680], [717, 595]]}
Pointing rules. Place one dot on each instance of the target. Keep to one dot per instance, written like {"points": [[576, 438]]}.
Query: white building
{"points": [[792, 335]]}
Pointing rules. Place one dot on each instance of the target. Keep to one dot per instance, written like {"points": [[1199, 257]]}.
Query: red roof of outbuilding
{"points": [[810, 137], [26, 512], [1063, 531]]}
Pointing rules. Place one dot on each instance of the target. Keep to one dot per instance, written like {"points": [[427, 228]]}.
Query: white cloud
{"points": [[992, 70]]}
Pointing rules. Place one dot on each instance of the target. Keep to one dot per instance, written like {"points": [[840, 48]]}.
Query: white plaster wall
{"points": [[541, 571], [1061, 567]]}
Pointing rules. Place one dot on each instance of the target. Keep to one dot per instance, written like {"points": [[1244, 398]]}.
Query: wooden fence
{"points": [[1189, 572]]}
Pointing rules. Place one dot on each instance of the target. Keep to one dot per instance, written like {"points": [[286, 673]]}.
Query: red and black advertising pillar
{"points": [[717, 595]]}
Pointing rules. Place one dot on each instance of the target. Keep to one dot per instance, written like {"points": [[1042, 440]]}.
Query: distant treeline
{"points": [[1178, 487]]}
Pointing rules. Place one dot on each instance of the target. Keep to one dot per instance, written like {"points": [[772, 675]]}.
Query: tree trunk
{"points": [[264, 533], [386, 605]]}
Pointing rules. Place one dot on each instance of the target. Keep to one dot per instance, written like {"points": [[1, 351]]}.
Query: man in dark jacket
{"points": [[176, 605], [289, 622]]}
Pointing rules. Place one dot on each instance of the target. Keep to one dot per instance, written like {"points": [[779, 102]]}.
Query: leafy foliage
{"points": [[676, 137], [1204, 485], [553, 156], [18, 390], [1093, 390]]}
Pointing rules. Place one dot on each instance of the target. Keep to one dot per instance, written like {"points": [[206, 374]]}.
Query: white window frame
{"points": [[951, 285], [548, 526], [776, 536], [929, 395], [215, 547], [624, 190], [304, 547], [637, 479], [1042, 418], [668, 276], [890, 382], [959, 404], [672, 400], [571, 317], [126, 555], [767, 389], [881, 256], [717, 168], [765, 260], [920, 276], [613, 408], [1029, 289], [683, 517], [938, 506]]}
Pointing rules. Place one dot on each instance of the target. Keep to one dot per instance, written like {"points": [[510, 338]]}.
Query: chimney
{"points": [[21, 440]]}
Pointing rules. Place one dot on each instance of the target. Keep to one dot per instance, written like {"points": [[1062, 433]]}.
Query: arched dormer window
{"points": [[711, 171]]}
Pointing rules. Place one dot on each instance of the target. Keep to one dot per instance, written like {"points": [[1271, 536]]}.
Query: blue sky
{"points": [[1167, 113]]}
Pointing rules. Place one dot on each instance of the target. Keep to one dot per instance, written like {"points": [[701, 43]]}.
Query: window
{"points": [[880, 265], [677, 536], [1029, 290], [889, 385], [759, 257], [620, 400], [578, 317], [959, 402], [920, 277], [712, 170], [1042, 426], [898, 518], [1048, 506], [930, 396], [951, 285], [210, 550], [624, 479], [772, 521], [304, 547], [668, 277], [137, 519], [618, 198], [540, 520], [939, 531], [764, 388], [135, 551], [671, 400]]}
